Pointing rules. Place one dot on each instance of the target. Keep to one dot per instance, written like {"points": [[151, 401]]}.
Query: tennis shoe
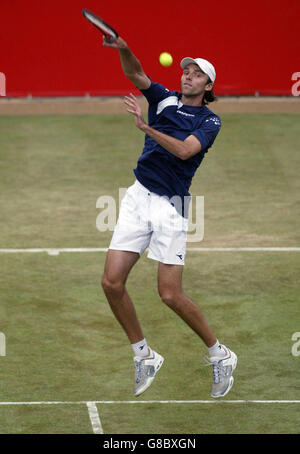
{"points": [[145, 370], [222, 368]]}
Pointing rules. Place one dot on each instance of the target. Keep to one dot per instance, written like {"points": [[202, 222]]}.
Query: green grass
{"points": [[62, 342], [54, 168]]}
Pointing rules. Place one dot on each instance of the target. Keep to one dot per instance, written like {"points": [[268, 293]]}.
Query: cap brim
{"points": [[186, 61]]}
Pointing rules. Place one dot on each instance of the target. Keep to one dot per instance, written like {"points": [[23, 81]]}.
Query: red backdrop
{"points": [[47, 48]]}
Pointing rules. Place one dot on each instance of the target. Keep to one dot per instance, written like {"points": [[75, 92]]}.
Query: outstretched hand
{"points": [[117, 43], [135, 109]]}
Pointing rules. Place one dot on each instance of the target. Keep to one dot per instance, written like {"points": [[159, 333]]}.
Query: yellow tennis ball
{"points": [[165, 59]]}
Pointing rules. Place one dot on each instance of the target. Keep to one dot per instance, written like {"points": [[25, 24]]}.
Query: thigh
{"points": [[118, 264], [169, 277]]}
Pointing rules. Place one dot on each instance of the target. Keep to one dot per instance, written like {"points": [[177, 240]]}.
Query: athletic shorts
{"points": [[149, 220]]}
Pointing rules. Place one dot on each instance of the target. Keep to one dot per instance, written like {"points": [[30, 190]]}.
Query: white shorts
{"points": [[149, 220]]}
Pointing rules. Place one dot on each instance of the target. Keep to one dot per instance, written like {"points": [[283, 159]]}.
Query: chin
{"points": [[186, 92]]}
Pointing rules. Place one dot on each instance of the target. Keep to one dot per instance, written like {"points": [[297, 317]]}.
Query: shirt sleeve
{"points": [[208, 131], [155, 93]]}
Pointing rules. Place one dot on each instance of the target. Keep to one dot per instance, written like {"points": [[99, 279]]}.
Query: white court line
{"points": [[94, 418], [246, 249], [96, 422], [84, 402], [51, 251], [57, 251]]}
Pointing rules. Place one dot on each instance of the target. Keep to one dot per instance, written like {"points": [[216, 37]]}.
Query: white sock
{"points": [[140, 348], [216, 350]]}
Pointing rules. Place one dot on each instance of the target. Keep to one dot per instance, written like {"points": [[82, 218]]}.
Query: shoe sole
{"points": [[231, 381], [150, 380]]}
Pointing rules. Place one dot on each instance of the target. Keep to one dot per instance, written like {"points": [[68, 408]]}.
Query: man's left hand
{"points": [[134, 108]]}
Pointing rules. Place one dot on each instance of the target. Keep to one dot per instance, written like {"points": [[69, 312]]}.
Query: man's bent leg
{"points": [[222, 359], [170, 291], [117, 267]]}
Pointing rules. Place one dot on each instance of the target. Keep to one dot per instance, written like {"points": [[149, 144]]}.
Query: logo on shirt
{"points": [[215, 120], [185, 114]]}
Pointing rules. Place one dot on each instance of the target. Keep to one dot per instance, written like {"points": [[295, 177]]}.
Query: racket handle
{"points": [[109, 39]]}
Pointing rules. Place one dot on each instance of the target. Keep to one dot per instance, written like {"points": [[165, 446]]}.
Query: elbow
{"points": [[133, 75], [189, 147], [186, 157], [184, 154], [187, 151], [129, 75]]}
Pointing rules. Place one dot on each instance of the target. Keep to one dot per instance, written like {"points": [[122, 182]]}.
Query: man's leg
{"points": [[170, 291], [117, 267], [222, 359]]}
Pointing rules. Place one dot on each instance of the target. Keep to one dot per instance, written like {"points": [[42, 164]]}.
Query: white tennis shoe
{"points": [[145, 370], [223, 368]]}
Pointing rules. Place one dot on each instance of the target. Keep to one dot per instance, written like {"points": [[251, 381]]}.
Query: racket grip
{"points": [[109, 39]]}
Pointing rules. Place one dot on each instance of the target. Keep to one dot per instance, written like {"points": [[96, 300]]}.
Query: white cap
{"points": [[204, 65]]}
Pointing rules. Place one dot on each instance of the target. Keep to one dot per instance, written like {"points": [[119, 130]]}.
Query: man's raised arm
{"points": [[131, 66]]}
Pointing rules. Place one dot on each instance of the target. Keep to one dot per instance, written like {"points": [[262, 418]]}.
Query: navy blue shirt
{"points": [[159, 170]]}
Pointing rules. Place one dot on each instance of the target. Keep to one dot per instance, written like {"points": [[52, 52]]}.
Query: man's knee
{"points": [[169, 296], [111, 286]]}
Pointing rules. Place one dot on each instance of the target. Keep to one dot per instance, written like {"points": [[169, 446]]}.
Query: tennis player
{"points": [[153, 213]]}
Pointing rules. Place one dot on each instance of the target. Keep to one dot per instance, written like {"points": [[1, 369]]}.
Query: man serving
{"points": [[154, 211]]}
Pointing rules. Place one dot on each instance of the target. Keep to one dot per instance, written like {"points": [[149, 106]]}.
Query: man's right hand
{"points": [[117, 43]]}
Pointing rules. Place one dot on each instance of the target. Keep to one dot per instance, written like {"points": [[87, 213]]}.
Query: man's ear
{"points": [[209, 87]]}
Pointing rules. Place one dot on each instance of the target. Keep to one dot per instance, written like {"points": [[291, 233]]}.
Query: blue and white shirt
{"points": [[159, 170]]}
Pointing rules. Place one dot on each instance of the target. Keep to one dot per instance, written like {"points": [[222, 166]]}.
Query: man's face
{"points": [[194, 81]]}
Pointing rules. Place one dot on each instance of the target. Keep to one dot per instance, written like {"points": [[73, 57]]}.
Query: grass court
{"points": [[62, 341]]}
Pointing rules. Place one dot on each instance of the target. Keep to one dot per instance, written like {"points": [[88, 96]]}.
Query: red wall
{"points": [[47, 48]]}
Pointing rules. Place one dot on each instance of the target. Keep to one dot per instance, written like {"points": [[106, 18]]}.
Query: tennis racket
{"points": [[108, 32]]}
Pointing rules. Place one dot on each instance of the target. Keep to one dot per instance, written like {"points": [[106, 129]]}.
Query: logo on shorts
{"points": [[180, 256]]}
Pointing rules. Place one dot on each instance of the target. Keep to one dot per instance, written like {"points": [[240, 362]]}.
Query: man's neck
{"points": [[195, 101]]}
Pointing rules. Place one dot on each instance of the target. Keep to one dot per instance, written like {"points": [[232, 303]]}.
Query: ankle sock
{"points": [[216, 350], [140, 348]]}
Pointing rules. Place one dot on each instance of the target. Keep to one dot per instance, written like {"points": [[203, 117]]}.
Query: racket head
{"points": [[108, 32]]}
